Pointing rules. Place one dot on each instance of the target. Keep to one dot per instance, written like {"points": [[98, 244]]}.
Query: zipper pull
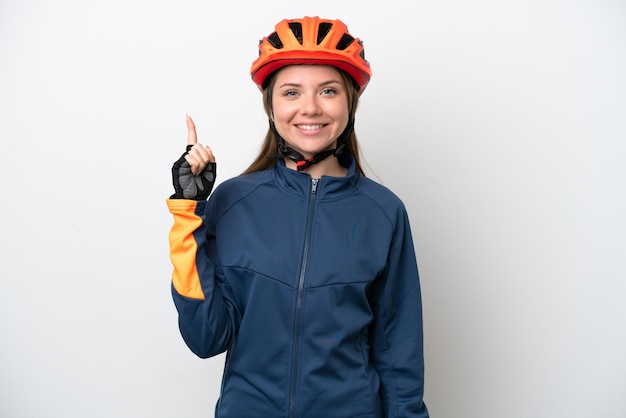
{"points": [[314, 185]]}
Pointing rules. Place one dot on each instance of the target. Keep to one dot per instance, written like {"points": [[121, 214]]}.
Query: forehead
{"points": [[303, 73]]}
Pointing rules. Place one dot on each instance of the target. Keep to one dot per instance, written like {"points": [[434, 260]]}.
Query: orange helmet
{"points": [[311, 40]]}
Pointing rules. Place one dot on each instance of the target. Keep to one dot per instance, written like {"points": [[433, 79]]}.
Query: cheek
{"points": [[339, 109], [283, 114], [282, 121], [342, 115]]}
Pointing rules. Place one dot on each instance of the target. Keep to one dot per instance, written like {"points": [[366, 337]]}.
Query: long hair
{"points": [[265, 160]]}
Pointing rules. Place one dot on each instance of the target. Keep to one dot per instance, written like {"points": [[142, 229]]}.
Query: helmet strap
{"points": [[303, 163]]}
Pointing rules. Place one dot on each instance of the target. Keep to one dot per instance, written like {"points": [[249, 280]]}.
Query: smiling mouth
{"points": [[310, 127]]}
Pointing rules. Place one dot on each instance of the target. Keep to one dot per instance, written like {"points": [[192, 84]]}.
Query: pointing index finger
{"points": [[192, 137]]}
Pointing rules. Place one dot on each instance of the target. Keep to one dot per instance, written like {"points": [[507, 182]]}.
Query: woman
{"points": [[301, 269]]}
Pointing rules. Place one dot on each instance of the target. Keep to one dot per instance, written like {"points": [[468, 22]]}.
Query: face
{"points": [[310, 107]]}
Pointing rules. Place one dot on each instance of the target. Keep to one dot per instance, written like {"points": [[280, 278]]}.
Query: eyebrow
{"points": [[322, 84]]}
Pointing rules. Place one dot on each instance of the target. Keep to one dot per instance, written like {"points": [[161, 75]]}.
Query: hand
{"points": [[193, 174], [197, 156]]}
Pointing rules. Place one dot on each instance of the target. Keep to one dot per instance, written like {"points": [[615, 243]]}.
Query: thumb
{"points": [[192, 137]]}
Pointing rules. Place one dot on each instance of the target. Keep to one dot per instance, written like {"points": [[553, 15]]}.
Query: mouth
{"points": [[311, 127]]}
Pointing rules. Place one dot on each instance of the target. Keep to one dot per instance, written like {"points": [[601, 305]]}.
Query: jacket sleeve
{"points": [[397, 335], [207, 317]]}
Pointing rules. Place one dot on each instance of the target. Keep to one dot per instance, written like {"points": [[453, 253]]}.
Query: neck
{"points": [[328, 167]]}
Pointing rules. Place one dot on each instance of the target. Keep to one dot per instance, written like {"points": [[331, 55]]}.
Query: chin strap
{"points": [[303, 163]]}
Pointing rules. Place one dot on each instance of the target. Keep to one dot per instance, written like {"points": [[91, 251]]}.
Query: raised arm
{"points": [[206, 315]]}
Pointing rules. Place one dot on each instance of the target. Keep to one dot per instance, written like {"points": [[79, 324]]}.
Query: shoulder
{"points": [[389, 206], [230, 191], [379, 194], [244, 182], [379, 200]]}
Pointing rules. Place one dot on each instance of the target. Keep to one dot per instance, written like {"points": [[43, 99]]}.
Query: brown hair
{"points": [[269, 148]]}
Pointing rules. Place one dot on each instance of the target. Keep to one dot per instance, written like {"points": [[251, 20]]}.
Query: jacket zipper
{"points": [[295, 354]]}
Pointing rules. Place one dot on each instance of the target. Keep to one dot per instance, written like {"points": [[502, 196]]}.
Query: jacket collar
{"points": [[299, 184]]}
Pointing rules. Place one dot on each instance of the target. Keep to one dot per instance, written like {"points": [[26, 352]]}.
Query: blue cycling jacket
{"points": [[312, 288]]}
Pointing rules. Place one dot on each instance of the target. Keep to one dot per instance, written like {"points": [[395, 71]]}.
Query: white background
{"points": [[501, 124]]}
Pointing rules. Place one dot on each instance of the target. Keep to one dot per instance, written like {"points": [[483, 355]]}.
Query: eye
{"points": [[329, 91], [290, 93]]}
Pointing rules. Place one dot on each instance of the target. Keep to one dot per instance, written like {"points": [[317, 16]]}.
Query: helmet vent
{"points": [[296, 28], [322, 31], [275, 41], [345, 42]]}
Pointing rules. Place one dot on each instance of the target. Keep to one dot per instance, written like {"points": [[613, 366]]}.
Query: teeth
{"points": [[310, 127]]}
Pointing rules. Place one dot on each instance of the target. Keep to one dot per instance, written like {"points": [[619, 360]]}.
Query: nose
{"points": [[311, 105]]}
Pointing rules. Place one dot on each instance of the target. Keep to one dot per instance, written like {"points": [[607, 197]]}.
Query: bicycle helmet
{"points": [[311, 40]]}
